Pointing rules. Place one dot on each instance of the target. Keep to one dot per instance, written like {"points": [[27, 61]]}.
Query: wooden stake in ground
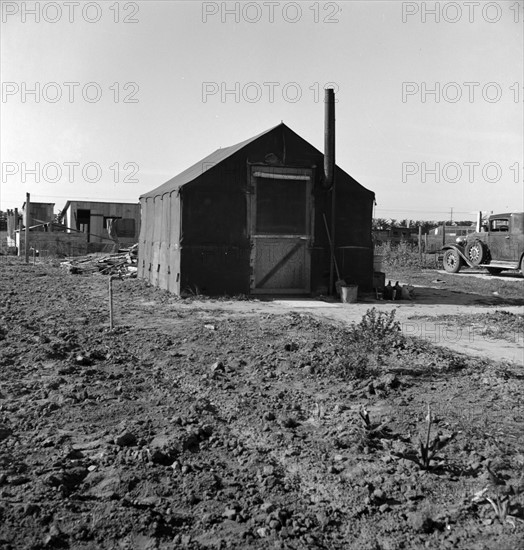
{"points": [[420, 244], [27, 221], [110, 302], [111, 277]]}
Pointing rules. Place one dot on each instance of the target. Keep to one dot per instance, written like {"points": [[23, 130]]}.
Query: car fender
{"points": [[460, 250]]}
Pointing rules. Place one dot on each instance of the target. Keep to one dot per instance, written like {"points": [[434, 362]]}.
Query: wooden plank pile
{"points": [[123, 263]]}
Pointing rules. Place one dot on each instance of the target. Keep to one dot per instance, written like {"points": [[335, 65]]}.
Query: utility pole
{"points": [[451, 215]]}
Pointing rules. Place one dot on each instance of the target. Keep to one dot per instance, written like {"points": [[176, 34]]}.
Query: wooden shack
{"points": [[94, 219]]}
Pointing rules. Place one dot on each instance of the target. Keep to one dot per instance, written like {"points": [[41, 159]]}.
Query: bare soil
{"points": [[236, 424]]}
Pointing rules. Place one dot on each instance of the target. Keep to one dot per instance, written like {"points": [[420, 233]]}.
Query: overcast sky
{"points": [[106, 100]]}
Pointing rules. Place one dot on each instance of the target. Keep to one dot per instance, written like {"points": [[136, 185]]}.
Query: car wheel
{"points": [[494, 270], [452, 261], [475, 252]]}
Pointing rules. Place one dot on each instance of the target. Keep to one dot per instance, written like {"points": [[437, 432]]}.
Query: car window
{"points": [[499, 224]]}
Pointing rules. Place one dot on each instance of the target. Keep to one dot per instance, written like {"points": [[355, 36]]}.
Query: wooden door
{"points": [[281, 221]]}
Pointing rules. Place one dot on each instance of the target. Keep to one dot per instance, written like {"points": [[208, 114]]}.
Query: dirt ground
{"points": [[254, 424]]}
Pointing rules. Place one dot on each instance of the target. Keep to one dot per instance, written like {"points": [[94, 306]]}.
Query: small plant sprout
{"points": [[372, 428], [364, 414], [429, 448], [192, 291], [501, 506]]}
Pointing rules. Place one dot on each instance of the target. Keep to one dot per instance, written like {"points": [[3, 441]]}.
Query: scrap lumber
{"points": [[123, 263]]}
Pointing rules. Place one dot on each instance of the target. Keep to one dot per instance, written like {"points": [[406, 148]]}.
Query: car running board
{"points": [[501, 265]]}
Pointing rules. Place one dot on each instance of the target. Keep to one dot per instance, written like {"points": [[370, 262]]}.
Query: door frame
{"points": [[500, 241], [87, 224], [260, 171]]}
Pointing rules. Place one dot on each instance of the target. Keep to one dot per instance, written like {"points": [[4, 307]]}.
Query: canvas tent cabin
{"points": [[95, 219], [248, 219]]}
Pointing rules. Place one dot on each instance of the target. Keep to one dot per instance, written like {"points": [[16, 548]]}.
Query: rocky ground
{"points": [[194, 427]]}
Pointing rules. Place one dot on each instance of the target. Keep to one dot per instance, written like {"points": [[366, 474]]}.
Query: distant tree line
{"points": [[385, 224]]}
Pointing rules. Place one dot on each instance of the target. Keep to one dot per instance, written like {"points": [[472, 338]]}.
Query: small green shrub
{"points": [[373, 337], [378, 331]]}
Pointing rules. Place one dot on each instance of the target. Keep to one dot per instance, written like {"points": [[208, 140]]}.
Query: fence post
{"points": [[19, 248]]}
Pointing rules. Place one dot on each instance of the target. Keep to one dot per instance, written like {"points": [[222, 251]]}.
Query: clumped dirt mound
{"points": [[194, 428]]}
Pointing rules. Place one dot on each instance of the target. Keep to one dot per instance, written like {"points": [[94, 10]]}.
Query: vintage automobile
{"points": [[498, 244]]}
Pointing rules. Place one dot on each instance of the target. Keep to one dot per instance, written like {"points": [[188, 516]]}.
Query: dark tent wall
{"points": [[215, 246], [353, 242], [198, 229]]}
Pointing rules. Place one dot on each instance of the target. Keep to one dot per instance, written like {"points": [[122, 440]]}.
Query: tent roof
{"points": [[201, 166], [212, 160]]}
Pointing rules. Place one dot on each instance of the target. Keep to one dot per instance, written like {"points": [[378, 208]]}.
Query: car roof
{"points": [[506, 215]]}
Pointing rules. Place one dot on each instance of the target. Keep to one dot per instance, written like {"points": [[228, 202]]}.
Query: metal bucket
{"points": [[348, 294]]}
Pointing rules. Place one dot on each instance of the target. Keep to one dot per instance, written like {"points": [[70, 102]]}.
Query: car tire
{"points": [[452, 261], [475, 252]]}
